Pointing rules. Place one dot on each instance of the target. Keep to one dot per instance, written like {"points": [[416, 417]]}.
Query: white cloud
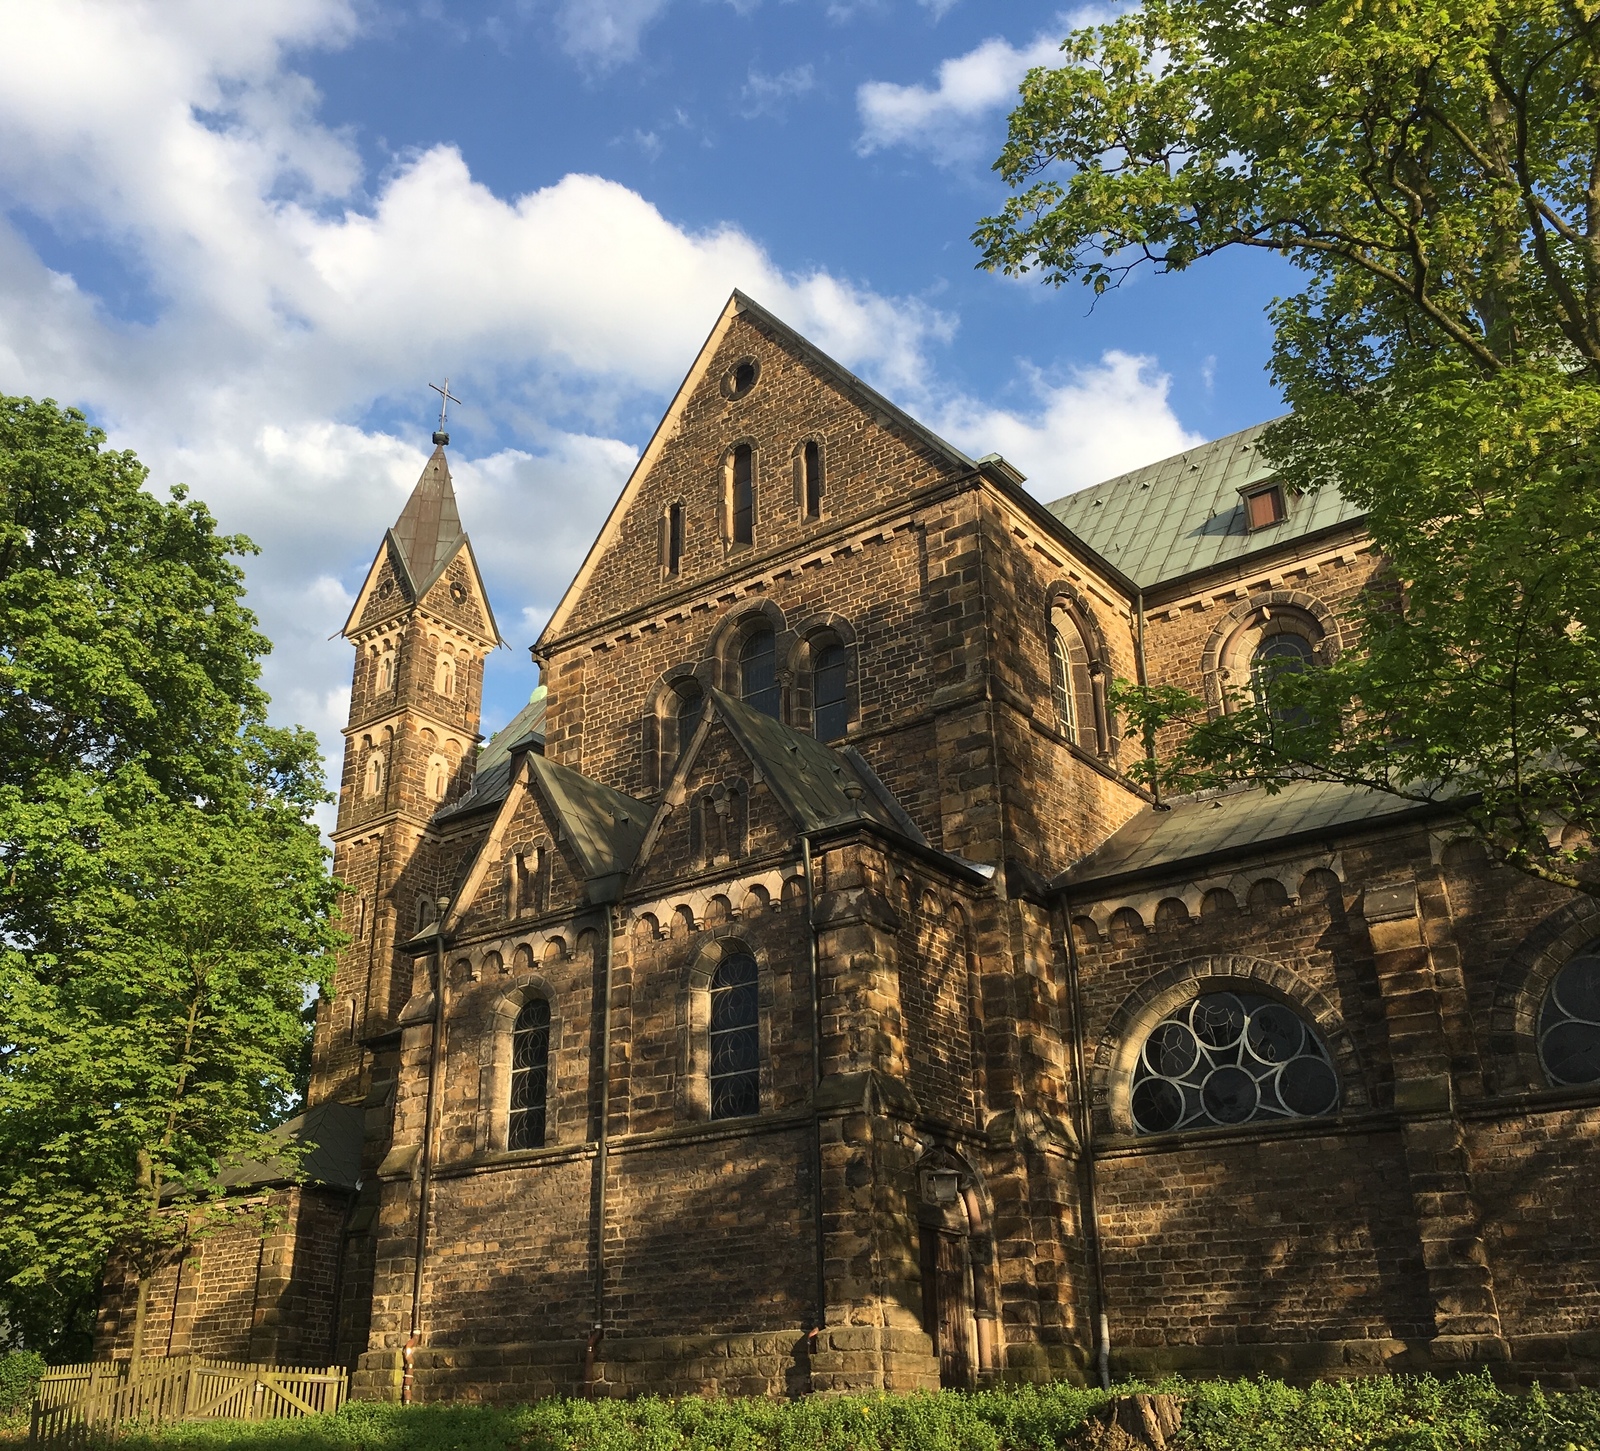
{"points": [[940, 8], [291, 294], [1098, 423], [605, 33], [939, 119], [765, 95]]}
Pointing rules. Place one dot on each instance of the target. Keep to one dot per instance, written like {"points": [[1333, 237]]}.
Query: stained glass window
{"points": [[735, 1038], [1569, 1023], [530, 1075]]}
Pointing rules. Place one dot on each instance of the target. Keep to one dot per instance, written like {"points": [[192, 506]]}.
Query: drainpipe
{"points": [[425, 1172], [598, 1330], [1091, 1211], [816, 1085], [1144, 679]]}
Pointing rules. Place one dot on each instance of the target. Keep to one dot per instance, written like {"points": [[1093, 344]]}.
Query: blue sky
{"points": [[245, 238]]}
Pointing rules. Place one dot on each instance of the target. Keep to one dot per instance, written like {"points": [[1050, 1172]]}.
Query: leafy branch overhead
{"points": [[1433, 171]]}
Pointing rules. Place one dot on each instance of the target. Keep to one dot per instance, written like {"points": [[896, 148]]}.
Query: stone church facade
{"points": [[798, 994]]}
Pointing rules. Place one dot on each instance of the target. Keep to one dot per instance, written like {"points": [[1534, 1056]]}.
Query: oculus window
{"points": [[1569, 1022], [758, 672], [1231, 1058], [530, 1075], [735, 1038]]}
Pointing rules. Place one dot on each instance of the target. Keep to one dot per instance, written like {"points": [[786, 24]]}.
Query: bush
{"points": [[19, 1379], [1402, 1413]]}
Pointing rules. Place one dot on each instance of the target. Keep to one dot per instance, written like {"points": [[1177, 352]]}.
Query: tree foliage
{"points": [[1433, 170], [164, 897]]}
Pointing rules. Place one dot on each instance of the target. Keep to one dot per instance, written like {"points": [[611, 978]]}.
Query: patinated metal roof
{"points": [[492, 779], [1184, 514], [605, 827], [335, 1130], [1241, 822]]}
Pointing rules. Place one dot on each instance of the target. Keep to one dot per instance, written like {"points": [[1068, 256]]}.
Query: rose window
{"points": [[1231, 1058], [1569, 1025]]}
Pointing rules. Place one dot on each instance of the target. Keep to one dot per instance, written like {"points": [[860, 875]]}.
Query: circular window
{"points": [[458, 592], [386, 589], [1569, 1025], [1229, 1058], [741, 377]]}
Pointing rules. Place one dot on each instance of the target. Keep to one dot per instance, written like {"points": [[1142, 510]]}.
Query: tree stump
{"points": [[1136, 1423]]}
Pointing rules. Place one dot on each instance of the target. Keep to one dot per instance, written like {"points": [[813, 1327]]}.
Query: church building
{"points": [[798, 994]]}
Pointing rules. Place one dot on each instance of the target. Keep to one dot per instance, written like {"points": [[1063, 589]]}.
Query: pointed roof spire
{"points": [[428, 530]]}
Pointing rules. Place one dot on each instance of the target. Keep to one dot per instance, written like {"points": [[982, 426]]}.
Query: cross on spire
{"points": [[446, 398]]}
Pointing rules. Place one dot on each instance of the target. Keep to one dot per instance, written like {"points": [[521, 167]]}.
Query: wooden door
{"points": [[946, 1313]]}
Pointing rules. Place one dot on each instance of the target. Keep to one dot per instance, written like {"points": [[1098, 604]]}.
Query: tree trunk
{"points": [[140, 1310], [1136, 1423]]}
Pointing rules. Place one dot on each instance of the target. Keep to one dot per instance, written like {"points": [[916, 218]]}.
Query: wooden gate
{"points": [[947, 1303], [74, 1401]]}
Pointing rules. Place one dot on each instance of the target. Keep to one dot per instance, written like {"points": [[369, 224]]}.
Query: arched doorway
{"points": [[957, 1256]]}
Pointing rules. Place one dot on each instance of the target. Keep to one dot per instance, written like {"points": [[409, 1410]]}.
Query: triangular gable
{"points": [[388, 563], [737, 304], [602, 827]]}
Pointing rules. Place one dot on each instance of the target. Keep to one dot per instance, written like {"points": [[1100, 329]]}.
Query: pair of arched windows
{"points": [[830, 675], [734, 1054], [740, 501]]}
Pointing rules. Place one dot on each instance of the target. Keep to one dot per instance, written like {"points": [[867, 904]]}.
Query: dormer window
{"points": [[1264, 507]]}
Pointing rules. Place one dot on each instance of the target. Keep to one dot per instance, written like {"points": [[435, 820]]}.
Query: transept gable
{"points": [[868, 453]]}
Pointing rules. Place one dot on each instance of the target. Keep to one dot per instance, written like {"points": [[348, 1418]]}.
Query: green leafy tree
{"points": [[164, 897], [1433, 171]]}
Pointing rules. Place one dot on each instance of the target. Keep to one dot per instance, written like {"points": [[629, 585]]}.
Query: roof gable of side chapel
{"points": [[799, 385]]}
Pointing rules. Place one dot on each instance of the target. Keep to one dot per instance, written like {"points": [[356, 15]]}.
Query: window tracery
{"points": [[530, 1075], [1072, 684], [735, 1038], [1569, 1022], [1224, 1059]]}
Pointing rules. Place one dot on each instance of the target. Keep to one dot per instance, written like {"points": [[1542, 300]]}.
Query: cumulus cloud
{"points": [[605, 33], [938, 119], [1097, 423], [297, 304]]}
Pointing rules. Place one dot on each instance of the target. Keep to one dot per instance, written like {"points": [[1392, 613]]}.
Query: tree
{"points": [[164, 897], [1433, 169]]}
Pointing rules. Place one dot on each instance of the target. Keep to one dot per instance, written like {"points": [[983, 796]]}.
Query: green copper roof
{"points": [[1184, 514], [604, 826], [1241, 822]]}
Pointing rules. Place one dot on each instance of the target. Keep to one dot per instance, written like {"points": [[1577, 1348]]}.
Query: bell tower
{"points": [[421, 627]]}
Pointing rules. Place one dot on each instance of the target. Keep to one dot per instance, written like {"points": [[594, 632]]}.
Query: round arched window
{"points": [[1229, 1058], [1569, 1023]]}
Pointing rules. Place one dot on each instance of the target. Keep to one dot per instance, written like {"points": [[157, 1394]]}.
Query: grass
{"points": [[1402, 1413]]}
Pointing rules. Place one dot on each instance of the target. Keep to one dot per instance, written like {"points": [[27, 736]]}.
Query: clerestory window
{"points": [[1275, 657], [530, 1075], [1229, 1058], [811, 464], [830, 712], [742, 500], [735, 1033], [758, 672]]}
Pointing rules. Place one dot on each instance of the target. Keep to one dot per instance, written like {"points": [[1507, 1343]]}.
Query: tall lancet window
{"points": [[530, 1075], [444, 674]]}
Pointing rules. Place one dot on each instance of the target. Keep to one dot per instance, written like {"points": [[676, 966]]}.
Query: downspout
{"points": [[425, 1171], [1091, 1210], [816, 1086], [598, 1329], [1144, 679]]}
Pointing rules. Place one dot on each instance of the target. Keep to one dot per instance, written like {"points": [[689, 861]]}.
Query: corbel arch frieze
{"points": [[1117, 1051], [1290, 874]]}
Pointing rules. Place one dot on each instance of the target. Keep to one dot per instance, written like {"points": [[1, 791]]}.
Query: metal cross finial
{"points": [[446, 398]]}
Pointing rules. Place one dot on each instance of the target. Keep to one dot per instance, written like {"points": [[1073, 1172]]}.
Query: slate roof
{"points": [[335, 1129], [429, 530], [809, 779], [1237, 824], [605, 827], [492, 779], [1183, 514]]}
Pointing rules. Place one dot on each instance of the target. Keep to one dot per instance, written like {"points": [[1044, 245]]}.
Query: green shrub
{"points": [[19, 1378]]}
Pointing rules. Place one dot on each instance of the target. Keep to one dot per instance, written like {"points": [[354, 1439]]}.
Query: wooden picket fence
{"points": [[79, 1404]]}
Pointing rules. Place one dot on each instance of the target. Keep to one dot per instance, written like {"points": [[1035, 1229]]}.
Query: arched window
{"points": [[1569, 1023], [424, 913], [530, 1075], [444, 673], [438, 777], [742, 496], [830, 711], [375, 774], [735, 1038], [1071, 684], [811, 478], [758, 672], [1228, 1058], [1275, 657], [691, 705], [386, 669]]}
